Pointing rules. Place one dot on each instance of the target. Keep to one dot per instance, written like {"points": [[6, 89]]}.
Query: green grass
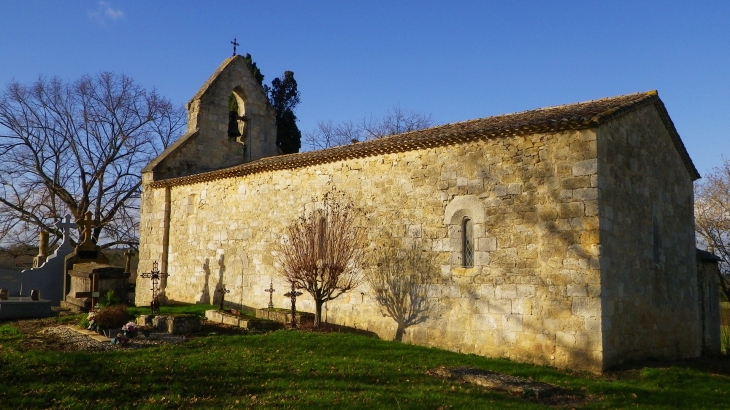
{"points": [[174, 310], [305, 370], [9, 332]]}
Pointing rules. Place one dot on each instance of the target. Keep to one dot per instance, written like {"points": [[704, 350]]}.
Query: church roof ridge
{"points": [[575, 116]]}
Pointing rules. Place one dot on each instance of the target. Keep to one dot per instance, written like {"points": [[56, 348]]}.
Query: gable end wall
{"points": [[646, 195]]}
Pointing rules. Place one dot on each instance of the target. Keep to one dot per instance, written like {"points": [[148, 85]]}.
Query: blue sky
{"points": [[454, 60]]}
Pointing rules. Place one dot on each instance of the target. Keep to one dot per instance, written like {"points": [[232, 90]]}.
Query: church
{"points": [[564, 235]]}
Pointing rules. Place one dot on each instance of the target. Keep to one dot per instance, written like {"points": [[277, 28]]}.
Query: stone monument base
{"points": [[24, 307], [81, 277]]}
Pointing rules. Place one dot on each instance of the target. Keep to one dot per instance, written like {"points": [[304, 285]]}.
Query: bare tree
{"points": [[323, 251], [399, 279], [77, 147], [395, 121], [712, 218]]}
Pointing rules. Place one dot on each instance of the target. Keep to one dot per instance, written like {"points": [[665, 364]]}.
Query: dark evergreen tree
{"points": [[284, 97], [254, 70]]}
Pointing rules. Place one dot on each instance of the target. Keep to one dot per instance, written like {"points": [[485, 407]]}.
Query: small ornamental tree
{"points": [[323, 251]]}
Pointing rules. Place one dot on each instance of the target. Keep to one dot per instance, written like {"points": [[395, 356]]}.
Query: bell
{"points": [[233, 130]]}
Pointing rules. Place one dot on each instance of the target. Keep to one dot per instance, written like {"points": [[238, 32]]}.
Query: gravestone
{"points": [[11, 280], [91, 280], [88, 274], [47, 277]]}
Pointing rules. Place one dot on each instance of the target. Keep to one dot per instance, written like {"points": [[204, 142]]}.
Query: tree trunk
{"points": [[317, 313], [399, 333]]}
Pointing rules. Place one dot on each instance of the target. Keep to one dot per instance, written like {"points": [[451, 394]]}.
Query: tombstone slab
{"points": [[23, 308]]}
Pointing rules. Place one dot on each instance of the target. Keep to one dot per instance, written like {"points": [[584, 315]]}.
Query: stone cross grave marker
{"points": [[271, 291], [222, 290], [155, 275], [293, 295]]}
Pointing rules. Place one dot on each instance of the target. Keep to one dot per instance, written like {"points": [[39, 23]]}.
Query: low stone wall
{"points": [[220, 316], [174, 324]]}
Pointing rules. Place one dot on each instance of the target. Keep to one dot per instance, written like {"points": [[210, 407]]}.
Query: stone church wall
{"points": [[533, 294], [647, 242]]}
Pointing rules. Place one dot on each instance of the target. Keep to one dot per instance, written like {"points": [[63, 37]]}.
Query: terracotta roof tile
{"points": [[550, 119]]}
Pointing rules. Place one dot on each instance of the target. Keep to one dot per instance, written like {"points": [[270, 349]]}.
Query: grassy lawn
{"points": [[293, 369]]}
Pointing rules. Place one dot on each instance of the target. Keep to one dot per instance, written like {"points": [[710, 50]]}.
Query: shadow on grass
{"points": [[719, 364]]}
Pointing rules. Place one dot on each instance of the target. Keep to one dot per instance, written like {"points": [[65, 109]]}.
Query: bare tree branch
{"points": [[77, 147], [712, 219], [323, 251], [395, 121]]}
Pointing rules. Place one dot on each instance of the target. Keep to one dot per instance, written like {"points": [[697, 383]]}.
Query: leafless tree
{"points": [[395, 121], [712, 218], [323, 251], [399, 279], [77, 147]]}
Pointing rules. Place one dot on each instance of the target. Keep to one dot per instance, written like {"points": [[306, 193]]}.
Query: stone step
{"points": [[89, 333]]}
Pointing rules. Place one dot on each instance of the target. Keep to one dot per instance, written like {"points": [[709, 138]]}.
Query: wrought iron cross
{"points": [[222, 290], [155, 275], [235, 44], [271, 291], [293, 295]]}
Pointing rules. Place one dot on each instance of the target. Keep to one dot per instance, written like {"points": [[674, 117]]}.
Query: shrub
{"points": [[114, 316], [110, 299]]}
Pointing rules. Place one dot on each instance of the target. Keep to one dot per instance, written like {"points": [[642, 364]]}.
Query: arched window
{"points": [[467, 243]]}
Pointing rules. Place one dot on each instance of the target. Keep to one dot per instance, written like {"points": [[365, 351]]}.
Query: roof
{"points": [[575, 116], [708, 256]]}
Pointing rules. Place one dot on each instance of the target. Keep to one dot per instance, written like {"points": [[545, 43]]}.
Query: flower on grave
{"points": [[90, 319], [119, 340], [130, 327]]}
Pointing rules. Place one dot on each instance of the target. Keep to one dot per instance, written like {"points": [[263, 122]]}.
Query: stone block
{"points": [[512, 323], [514, 189], [506, 291], [586, 194], [586, 307], [487, 244], [576, 290], [587, 167], [572, 183], [500, 306], [571, 210], [484, 322]]}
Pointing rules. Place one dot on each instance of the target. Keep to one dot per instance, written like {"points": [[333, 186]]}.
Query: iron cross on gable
{"points": [[235, 44]]}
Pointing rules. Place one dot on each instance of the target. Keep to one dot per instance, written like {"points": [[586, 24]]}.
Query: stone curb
{"points": [[89, 333]]}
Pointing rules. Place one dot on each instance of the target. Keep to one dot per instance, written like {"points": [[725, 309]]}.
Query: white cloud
{"points": [[105, 12]]}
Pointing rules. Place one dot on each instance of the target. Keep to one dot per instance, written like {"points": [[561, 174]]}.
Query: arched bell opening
{"points": [[236, 115]]}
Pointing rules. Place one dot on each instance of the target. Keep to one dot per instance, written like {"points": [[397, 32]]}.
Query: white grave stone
{"points": [[48, 276]]}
